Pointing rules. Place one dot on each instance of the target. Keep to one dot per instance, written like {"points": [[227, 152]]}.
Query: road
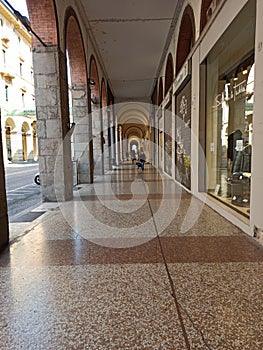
{"points": [[21, 191]]}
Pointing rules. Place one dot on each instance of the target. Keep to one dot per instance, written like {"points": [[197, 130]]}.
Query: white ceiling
{"points": [[130, 37]]}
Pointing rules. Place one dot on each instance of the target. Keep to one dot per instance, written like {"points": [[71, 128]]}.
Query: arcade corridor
{"points": [[105, 271], [117, 258]]}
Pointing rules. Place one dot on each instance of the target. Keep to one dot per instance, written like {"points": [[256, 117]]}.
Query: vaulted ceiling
{"points": [[131, 38]]}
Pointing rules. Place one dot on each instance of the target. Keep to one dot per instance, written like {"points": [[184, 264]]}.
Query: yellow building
{"points": [[17, 98]]}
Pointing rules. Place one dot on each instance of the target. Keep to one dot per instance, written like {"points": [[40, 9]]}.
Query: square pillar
{"points": [[55, 161], [4, 232], [82, 137]]}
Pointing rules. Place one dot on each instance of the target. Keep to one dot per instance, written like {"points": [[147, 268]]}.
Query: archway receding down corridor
{"points": [[133, 120]]}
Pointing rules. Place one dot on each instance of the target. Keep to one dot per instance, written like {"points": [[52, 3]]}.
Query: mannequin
{"points": [[231, 147]]}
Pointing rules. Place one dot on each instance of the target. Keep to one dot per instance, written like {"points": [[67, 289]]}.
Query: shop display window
{"points": [[168, 139], [229, 112], [183, 136]]}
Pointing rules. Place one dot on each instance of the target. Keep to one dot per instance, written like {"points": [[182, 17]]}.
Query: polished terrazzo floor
{"points": [[132, 262]]}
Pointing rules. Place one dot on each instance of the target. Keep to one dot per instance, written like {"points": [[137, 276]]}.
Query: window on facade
{"points": [[229, 118], [23, 99], [6, 93], [21, 68], [183, 135], [4, 56]]}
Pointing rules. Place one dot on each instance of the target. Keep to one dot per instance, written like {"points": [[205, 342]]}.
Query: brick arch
{"points": [[169, 73], [93, 74], [43, 19], [203, 16], [75, 51], [186, 37], [160, 92]]}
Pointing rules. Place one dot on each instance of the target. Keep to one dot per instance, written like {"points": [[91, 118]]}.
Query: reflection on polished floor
{"points": [[133, 262]]}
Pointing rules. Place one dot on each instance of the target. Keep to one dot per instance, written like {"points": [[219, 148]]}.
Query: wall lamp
{"points": [[235, 78], [91, 81]]}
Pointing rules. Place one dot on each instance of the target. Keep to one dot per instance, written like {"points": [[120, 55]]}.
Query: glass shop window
{"points": [[183, 135], [168, 140], [229, 116]]}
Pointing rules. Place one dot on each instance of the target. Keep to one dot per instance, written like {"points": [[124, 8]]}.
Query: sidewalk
{"points": [[132, 262], [17, 165]]}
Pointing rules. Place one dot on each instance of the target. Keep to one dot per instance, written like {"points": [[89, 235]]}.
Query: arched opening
{"points": [[78, 90], [160, 91], [135, 135], [169, 73], [94, 77], [186, 37], [76, 55], [9, 126]]}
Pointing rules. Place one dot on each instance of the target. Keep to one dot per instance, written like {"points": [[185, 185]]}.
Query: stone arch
{"points": [[134, 130], [134, 121], [42, 15], [25, 127], [186, 37], [169, 73], [160, 91], [10, 123]]}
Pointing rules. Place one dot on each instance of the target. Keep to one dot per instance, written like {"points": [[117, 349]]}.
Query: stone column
{"points": [[96, 137], [82, 136], [4, 231], [117, 144], [55, 163], [121, 143], [106, 148], [112, 145]]}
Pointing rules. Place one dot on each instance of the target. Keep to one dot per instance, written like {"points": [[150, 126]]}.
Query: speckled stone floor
{"points": [[132, 262]]}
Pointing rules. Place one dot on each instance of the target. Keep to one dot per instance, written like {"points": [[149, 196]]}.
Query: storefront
{"points": [[159, 119], [183, 126], [229, 112], [168, 138]]}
